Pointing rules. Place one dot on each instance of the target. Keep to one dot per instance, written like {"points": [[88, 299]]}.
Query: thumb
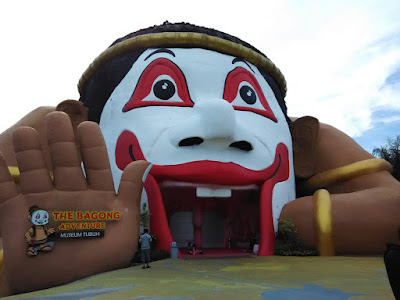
{"points": [[131, 185]]}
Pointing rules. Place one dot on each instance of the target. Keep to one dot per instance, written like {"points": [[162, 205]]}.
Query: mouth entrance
{"points": [[219, 217], [215, 204]]}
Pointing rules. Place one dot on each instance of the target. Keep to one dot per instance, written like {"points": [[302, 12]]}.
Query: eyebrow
{"points": [[237, 59], [162, 50]]}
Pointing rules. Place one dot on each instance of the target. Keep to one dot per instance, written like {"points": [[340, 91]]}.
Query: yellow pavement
{"points": [[252, 277]]}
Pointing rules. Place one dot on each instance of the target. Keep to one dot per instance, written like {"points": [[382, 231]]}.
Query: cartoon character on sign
{"points": [[37, 235]]}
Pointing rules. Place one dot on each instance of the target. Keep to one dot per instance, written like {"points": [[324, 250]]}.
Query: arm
{"points": [[365, 203], [28, 235]]}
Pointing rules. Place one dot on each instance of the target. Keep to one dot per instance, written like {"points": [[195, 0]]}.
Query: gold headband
{"points": [[185, 39]]}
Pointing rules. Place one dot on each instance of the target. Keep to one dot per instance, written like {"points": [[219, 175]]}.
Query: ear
{"points": [[305, 132], [76, 112]]}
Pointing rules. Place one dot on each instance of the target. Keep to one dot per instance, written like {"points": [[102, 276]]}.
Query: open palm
{"points": [[69, 190]]}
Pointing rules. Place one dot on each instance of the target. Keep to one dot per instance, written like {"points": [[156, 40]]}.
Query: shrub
{"points": [[287, 243]]}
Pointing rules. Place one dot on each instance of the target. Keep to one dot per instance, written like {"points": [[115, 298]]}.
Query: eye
{"points": [[161, 83], [37, 216], [248, 94], [244, 92], [164, 89]]}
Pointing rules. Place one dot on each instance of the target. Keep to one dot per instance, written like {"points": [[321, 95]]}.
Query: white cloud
{"points": [[336, 72], [335, 55]]}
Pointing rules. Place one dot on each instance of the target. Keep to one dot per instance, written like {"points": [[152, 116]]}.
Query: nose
{"points": [[212, 123], [217, 118]]}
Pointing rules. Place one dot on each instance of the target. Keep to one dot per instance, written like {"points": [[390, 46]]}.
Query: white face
{"points": [[40, 217], [202, 117], [189, 105]]}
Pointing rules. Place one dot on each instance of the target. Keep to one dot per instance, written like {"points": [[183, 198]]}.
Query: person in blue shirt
{"points": [[145, 242]]}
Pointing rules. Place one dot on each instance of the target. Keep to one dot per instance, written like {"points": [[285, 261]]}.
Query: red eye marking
{"points": [[161, 83], [244, 92]]}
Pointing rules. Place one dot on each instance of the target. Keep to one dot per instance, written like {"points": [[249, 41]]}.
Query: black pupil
{"points": [[248, 94], [164, 89]]}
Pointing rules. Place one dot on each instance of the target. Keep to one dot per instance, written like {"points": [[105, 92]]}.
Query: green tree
{"points": [[145, 216], [391, 153]]}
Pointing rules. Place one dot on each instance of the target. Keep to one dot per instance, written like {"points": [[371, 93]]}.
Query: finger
{"points": [[68, 174], [34, 175], [131, 185], [95, 157], [8, 189]]}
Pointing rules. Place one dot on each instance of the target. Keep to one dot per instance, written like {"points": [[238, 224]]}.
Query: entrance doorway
{"points": [[181, 225], [213, 230]]}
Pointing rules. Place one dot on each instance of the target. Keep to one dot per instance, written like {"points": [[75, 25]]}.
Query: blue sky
{"points": [[385, 122], [385, 125], [341, 59]]}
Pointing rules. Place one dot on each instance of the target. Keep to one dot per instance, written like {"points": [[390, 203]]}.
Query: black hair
{"points": [[101, 84], [99, 87], [33, 208]]}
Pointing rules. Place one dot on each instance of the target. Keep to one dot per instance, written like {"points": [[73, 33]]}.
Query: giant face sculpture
{"points": [[207, 111], [216, 137]]}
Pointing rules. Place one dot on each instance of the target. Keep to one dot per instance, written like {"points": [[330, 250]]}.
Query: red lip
{"points": [[211, 172]]}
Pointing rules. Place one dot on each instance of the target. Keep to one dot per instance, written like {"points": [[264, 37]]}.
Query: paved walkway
{"points": [[251, 277]]}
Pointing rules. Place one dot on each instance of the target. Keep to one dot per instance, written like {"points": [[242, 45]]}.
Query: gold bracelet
{"points": [[350, 171], [15, 174], [1, 263], [323, 223]]}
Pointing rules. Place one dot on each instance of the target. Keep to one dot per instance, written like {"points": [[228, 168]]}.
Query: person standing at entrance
{"points": [[145, 241]]}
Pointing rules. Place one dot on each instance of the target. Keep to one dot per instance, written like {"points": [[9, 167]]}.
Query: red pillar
{"points": [[198, 221]]}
